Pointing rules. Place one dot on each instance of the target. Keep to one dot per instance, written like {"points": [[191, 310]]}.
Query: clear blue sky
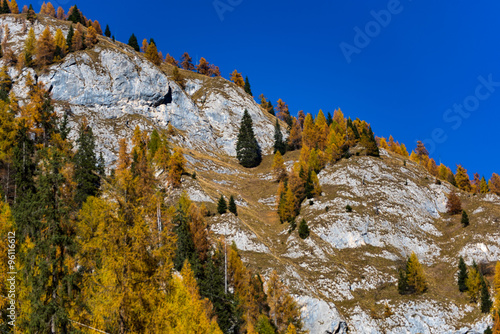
{"points": [[417, 64]]}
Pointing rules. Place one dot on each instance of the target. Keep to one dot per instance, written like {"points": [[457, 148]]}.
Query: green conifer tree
{"points": [[132, 41], [465, 219], [329, 119], [86, 166], [107, 31], [222, 205], [247, 88], [247, 148], [69, 38], [303, 229], [185, 249], [31, 15], [76, 16], [486, 302], [232, 206], [279, 144], [462, 275], [5, 7], [270, 108]]}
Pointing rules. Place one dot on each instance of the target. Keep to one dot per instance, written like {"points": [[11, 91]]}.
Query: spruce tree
{"points": [[86, 176], [45, 263], [465, 219], [303, 229], [76, 16], [69, 38], [5, 7], [279, 144], [486, 302], [247, 88], [232, 206], [368, 139], [462, 275], [107, 31], [270, 108], [185, 249], [329, 119], [132, 41], [31, 15], [222, 205], [247, 148]]}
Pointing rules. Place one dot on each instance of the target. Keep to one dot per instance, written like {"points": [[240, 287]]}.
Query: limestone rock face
{"points": [[112, 82]]}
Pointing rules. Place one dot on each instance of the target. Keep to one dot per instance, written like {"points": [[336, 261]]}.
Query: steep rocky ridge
{"points": [[345, 273]]}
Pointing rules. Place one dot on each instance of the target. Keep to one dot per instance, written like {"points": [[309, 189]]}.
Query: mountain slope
{"points": [[346, 271]]}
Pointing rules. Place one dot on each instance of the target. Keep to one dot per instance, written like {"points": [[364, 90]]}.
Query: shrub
{"points": [[348, 208]]}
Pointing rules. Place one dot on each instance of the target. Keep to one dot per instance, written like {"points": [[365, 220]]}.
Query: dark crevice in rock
{"points": [[164, 100]]}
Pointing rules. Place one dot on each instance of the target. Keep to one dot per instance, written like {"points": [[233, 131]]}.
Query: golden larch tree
{"points": [[462, 179], [97, 27], [176, 167], [494, 184], [14, 9], [60, 13], [45, 48], [152, 54], [415, 275], [278, 167], [90, 37], [295, 137], [322, 130], [473, 283], [237, 78], [309, 134], [203, 67]]}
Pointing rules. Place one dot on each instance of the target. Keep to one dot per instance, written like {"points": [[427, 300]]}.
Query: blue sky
{"points": [[409, 75]]}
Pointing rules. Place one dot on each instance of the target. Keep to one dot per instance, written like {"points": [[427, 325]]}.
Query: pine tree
{"points": [[45, 48], [465, 219], [232, 206], [329, 119], [247, 148], [303, 229], [107, 31], [462, 275], [453, 205], [486, 302], [247, 88], [86, 167], [132, 41], [279, 144], [221, 205]]}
